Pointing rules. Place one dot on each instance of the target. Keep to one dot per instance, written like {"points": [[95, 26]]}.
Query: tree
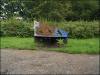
{"points": [[51, 9], [83, 9]]}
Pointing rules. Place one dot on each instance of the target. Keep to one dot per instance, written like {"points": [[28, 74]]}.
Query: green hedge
{"points": [[81, 29], [13, 27], [76, 29]]}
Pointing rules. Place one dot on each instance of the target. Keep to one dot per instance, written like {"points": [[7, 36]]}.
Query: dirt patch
{"points": [[47, 62]]}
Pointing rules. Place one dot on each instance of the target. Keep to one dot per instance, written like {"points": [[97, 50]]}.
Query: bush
{"points": [[80, 29], [60, 42], [13, 27], [76, 29]]}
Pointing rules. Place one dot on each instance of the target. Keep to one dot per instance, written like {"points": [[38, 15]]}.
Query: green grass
{"points": [[17, 43], [89, 46]]}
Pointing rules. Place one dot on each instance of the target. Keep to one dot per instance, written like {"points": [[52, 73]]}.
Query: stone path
{"points": [[47, 62]]}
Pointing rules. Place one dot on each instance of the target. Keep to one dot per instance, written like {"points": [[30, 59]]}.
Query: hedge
{"points": [[13, 27], [81, 29], [76, 29]]}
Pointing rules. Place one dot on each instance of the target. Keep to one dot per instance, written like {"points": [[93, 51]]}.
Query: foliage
{"points": [[86, 10], [76, 29], [81, 29], [60, 42], [52, 9], [13, 27]]}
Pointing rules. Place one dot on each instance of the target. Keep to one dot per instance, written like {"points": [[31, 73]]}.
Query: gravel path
{"points": [[47, 62]]}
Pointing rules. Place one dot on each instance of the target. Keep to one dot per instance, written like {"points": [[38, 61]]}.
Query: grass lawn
{"points": [[17, 43], [90, 46]]}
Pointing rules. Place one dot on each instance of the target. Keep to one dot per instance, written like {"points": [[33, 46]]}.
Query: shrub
{"points": [[76, 29], [13, 27], [60, 42], [81, 29]]}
